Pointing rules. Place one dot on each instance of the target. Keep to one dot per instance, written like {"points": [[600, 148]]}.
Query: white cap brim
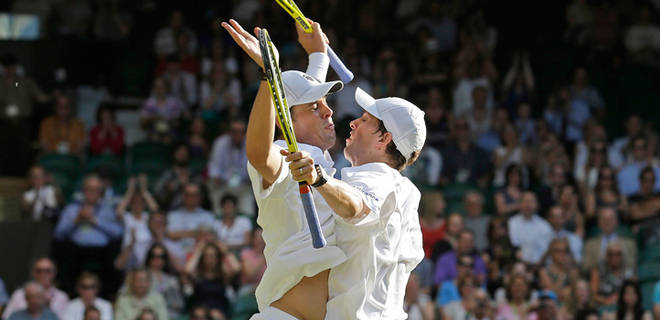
{"points": [[367, 102], [317, 92]]}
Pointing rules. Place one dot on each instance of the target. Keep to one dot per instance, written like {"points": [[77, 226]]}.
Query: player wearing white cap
{"points": [[295, 284], [376, 208]]}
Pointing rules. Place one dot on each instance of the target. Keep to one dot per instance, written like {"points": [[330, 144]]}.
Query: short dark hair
{"points": [[228, 197], [646, 170], [103, 108], [398, 161]]}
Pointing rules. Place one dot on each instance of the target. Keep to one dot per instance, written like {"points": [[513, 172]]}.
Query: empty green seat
{"points": [[64, 163]]}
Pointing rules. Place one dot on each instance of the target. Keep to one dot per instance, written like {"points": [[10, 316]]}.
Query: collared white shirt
{"points": [[524, 233], [76, 309], [182, 219], [382, 248], [234, 235], [58, 302], [289, 253], [228, 161]]}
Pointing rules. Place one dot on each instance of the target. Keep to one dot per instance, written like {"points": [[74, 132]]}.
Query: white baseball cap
{"points": [[404, 120], [301, 88]]}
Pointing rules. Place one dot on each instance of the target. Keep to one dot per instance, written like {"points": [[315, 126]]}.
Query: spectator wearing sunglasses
{"points": [[88, 288]]}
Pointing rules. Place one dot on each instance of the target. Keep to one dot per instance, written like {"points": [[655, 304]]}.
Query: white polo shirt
{"points": [[289, 253], [382, 248]]}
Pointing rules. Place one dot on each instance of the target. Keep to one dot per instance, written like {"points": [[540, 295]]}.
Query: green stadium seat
{"points": [[456, 191], [63, 163], [648, 271], [647, 288], [650, 254], [244, 307], [111, 162]]}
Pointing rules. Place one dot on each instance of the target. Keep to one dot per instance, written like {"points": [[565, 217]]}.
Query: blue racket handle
{"points": [[344, 74], [312, 218]]}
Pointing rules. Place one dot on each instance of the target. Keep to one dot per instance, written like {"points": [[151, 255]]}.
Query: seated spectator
{"points": [[628, 177], [517, 304], [183, 85], [161, 112], [550, 191], [459, 309], [574, 218], [43, 199], [88, 286], [511, 151], [92, 313], [595, 248], [607, 278], [43, 274], [629, 305], [557, 220], [448, 290], [169, 187], [525, 125], [165, 41], [227, 169], [107, 137], [162, 279], [133, 255], [183, 223], [462, 160], [431, 220], [209, 270], [233, 229], [479, 117], [645, 204], [620, 151], [581, 91], [525, 228], [36, 299], [586, 173], [507, 199], [518, 83], [253, 262], [437, 116], [446, 265], [199, 313], [605, 194], [139, 296], [4, 297], [547, 308], [147, 314], [88, 229], [449, 241], [643, 38], [500, 253], [560, 273], [62, 132], [136, 230], [221, 93], [199, 148], [417, 304]]}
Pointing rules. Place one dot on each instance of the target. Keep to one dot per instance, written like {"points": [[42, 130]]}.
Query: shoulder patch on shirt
{"points": [[366, 193]]}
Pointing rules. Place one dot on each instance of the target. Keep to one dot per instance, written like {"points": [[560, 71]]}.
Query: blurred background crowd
{"points": [[122, 131]]}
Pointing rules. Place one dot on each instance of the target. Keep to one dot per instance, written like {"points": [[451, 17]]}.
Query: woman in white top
{"points": [[88, 287], [42, 199], [509, 152]]}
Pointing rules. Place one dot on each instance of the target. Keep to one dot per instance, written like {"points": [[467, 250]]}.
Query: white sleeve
{"points": [[214, 161], [318, 65], [375, 188], [257, 180]]}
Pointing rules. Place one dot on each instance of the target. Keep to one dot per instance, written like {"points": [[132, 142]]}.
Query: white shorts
{"points": [[272, 313]]}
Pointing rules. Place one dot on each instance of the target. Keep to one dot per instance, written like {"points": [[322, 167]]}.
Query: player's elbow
{"points": [[257, 155]]}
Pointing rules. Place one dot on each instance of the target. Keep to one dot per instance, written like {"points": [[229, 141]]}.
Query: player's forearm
{"points": [[343, 199], [260, 129]]}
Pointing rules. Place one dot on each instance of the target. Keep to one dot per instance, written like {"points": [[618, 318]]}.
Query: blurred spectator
{"points": [[463, 161], [472, 68], [620, 151], [139, 296], [92, 313], [574, 218], [645, 204], [162, 279], [454, 226], [476, 220], [111, 22], [656, 300], [511, 151], [446, 265], [160, 112], [426, 170], [507, 199], [36, 304], [629, 305], [517, 304], [390, 81], [62, 132], [448, 291], [147, 314], [547, 307], [199, 148], [441, 25], [210, 268], [607, 278], [227, 168], [199, 313], [525, 124], [479, 117], [605, 194], [550, 191], [87, 231], [431, 220], [416, 304], [182, 84], [518, 84], [4, 297], [218, 55], [253, 262], [184, 222], [107, 137], [578, 21], [170, 185], [582, 90], [43, 199], [437, 118], [595, 248], [221, 93], [134, 214], [628, 177], [166, 38], [586, 173], [643, 38], [43, 291], [17, 96], [580, 297], [233, 229], [459, 309], [560, 273], [88, 286], [525, 228], [557, 219]]}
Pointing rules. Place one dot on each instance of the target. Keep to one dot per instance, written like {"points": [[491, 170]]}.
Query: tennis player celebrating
{"points": [[376, 209], [295, 284]]}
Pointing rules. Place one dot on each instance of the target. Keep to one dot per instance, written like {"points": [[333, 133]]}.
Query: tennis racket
{"points": [[290, 6], [276, 88]]}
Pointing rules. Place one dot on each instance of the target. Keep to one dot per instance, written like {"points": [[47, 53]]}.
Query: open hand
{"points": [[247, 42]]}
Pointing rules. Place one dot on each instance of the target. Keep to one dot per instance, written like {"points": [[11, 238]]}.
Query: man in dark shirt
{"points": [[645, 207], [462, 160]]}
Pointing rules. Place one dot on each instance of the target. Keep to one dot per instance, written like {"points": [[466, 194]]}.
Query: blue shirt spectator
{"points": [[656, 296], [447, 264], [628, 178], [183, 224], [3, 296]]}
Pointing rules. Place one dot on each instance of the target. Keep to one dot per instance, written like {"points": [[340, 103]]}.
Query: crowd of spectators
{"points": [[540, 187]]}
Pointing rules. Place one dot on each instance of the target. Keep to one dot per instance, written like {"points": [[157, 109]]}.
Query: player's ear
{"points": [[384, 139]]}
